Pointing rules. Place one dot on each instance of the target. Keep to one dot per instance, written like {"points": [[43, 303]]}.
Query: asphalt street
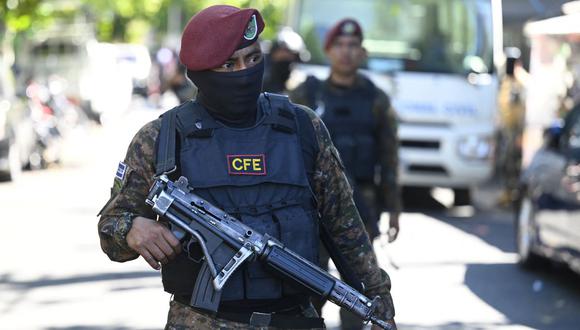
{"points": [[450, 268]]}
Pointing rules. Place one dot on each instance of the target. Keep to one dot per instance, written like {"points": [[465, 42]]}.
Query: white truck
{"points": [[438, 61]]}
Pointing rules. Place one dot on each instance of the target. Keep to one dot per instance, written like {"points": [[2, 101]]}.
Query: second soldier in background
{"points": [[363, 127]]}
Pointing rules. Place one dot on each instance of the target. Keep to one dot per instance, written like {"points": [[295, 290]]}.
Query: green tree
{"points": [[118, 20], [15, 16]]}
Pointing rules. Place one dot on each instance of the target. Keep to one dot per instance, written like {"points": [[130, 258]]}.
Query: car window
{"points": [[55, 48]]}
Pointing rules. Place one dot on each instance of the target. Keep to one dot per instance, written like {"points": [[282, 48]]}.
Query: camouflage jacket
{"points": [[387, 138], [331, 188]]}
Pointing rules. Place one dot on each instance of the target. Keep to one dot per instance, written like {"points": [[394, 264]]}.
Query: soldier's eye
{"points": [[256, 58], [228, 65]]}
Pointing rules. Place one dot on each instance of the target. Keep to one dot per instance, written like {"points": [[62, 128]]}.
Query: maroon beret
{"points": [[215, 33], [345, 27]]}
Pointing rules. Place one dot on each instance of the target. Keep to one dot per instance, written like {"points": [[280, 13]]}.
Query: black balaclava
{"points": [[230, 97]]}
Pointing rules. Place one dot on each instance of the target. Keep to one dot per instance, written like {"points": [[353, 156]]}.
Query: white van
{"points": [[437, 59]]}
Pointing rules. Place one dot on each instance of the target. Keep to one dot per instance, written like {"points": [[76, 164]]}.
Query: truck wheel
{"points": [[526, 235], [462, 197]]}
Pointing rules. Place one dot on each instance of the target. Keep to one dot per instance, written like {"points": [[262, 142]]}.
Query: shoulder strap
{"points": [[186, 119], [165, 155], [282, 116], [195, 121]]}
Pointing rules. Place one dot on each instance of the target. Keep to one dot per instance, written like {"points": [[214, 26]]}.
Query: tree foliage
{"points": [[123, 20]]}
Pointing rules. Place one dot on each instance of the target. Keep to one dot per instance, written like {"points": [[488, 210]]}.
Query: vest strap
{"points": [[282, 118], [200, 126], [165, 157], [194, 121]]}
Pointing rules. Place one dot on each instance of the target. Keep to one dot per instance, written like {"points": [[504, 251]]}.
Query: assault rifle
{"points": [[220, 234]]}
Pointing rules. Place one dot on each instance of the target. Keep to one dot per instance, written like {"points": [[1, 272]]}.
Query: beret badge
{"points": [[252, 29], [348, 28]]}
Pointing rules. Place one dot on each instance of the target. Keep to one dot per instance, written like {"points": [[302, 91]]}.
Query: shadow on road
{"points": [[6, 279], [541, 300], [452, 326], [81, 327], [495, 227]]}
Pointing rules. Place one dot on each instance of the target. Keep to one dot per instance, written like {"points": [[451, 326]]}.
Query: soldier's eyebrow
{"points": [[256, 52], [245, 52]]}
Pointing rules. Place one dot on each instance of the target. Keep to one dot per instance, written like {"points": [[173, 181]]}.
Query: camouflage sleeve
{"points": [[340, 216], [388, 153], [130, 187]]}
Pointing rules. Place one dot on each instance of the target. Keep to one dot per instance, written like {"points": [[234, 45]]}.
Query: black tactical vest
{"points": [[257, 174], [351, 123]]}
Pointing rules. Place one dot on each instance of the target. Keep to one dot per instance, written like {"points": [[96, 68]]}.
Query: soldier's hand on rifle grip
{"points": [[153, 241]]}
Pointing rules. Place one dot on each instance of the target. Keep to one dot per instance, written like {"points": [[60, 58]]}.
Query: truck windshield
{"points": [[441, 36]]}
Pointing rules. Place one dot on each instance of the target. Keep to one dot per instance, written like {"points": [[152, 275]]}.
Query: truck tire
{"points": [[461, 197]]}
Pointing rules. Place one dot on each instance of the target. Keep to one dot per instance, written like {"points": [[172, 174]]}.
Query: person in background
{"points": [[511, 113], [363, 127], [285, 50]]}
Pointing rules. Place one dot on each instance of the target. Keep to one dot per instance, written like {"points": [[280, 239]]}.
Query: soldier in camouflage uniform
{"points": [[346, 87], [127, 228], [363, 126]]}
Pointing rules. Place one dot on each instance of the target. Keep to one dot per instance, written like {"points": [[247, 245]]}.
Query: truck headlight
{"points": [[475, 147]]}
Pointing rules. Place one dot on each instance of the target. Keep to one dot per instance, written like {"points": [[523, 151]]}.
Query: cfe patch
{"points": [[246, 164], [121, 170]]}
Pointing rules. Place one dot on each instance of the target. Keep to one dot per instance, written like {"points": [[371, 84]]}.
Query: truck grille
{"points": [[427, 169], [432, 145]]}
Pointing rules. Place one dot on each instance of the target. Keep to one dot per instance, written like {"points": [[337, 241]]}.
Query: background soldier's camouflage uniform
{"points": [[331, 188]]}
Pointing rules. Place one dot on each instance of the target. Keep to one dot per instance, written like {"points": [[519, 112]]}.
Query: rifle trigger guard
{"points": [[237, 260], [206, 253], [187, 247]]}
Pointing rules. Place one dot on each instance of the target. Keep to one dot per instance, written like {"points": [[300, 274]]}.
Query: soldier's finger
{"points": [[172, 240], [158, 254], [166, 249], [150, 260]]}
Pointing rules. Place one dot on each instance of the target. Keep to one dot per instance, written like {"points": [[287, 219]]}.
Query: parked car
{"points": [[17, 136], [548, 206], [548, 212]]}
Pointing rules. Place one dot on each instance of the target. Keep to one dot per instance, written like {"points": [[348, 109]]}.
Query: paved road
{"points": [[451, 269]]}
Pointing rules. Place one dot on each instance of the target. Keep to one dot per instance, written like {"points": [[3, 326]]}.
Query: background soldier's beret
{"points": [[345, 27], [215, 33]]}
